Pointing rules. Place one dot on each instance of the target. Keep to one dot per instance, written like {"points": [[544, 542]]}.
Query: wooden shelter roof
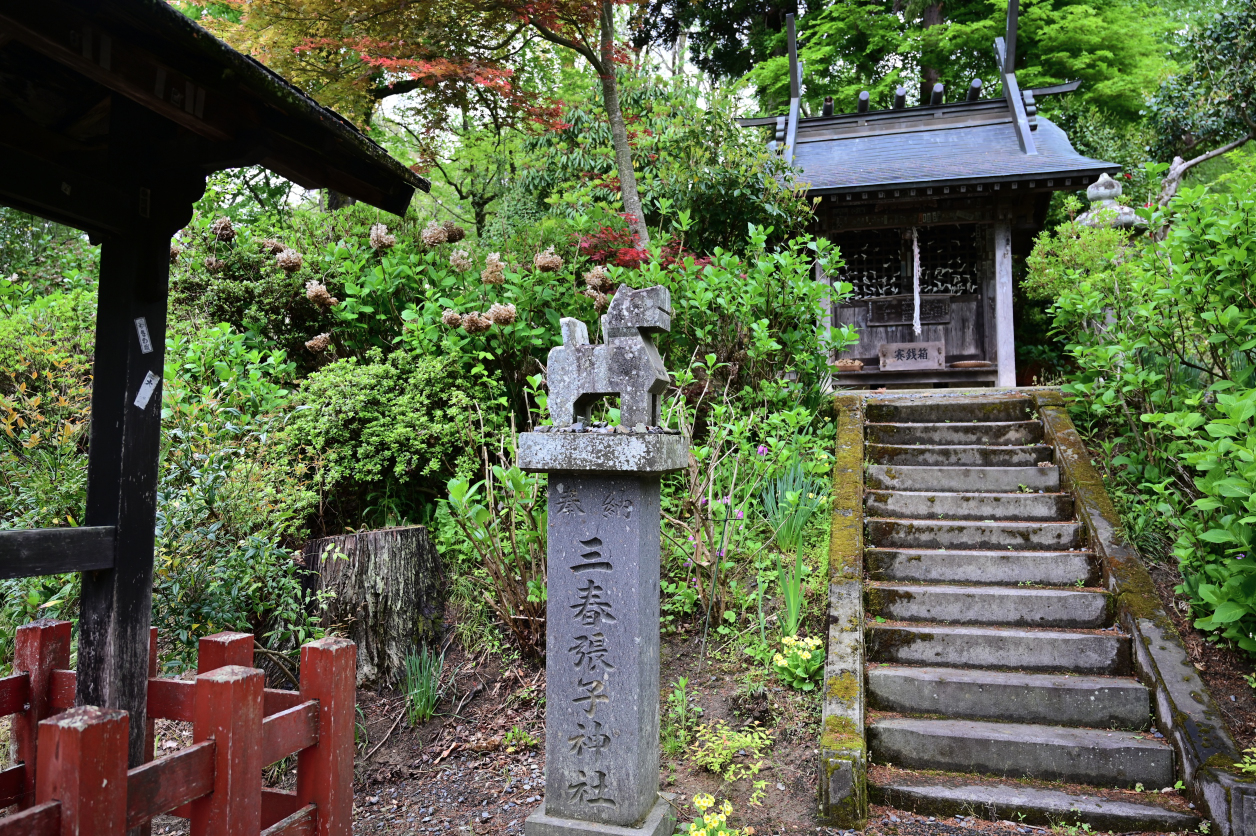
{"points": [[63, 61]]}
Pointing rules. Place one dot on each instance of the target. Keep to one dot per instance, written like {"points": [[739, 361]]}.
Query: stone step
{"points": [[982, 567], [1022, 750], [952, 794], [928, 410], [968, 534], [999, 432], [969, 506], [958, 455], [1007, 648], [993, 479], [1011, 606], [1065, 700]]}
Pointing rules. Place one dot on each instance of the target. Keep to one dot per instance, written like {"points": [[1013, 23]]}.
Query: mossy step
{"points": [[1023, 750], [995, 605], [996, 433], [1006, 648], [1055, 507], [954, 794], [958, 455], [946, 478], [971, 566], [942, 408], [1060, 699], [885, 533]]}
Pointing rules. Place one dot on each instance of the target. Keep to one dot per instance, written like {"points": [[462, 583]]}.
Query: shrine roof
{"points": [[952, 144]]}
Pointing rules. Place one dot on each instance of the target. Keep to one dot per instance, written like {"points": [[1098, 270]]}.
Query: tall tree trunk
{"points": [[389, 595], [619, 133], [929, 76]]}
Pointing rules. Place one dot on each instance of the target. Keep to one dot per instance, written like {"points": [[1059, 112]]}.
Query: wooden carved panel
{"points": [[899, 310]]}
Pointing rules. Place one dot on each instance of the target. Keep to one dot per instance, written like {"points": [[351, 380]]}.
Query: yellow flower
{"points": [[778, 660], [805, 654], [726, 808], [703, 801]]}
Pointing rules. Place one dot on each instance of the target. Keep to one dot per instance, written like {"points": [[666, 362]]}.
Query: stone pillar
{"points": [[602, 629], [602, 618]]}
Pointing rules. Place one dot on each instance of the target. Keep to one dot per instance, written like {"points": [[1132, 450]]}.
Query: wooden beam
{"points": [[122, 471], [1015, 102], [1004, 337], [1009, 38], [50, 551]]}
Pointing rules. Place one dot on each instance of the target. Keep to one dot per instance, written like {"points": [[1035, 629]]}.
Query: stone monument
{"points": [[602, 624]]}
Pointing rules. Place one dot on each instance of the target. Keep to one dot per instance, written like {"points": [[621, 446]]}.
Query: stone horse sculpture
{"points": [[628, 364]]}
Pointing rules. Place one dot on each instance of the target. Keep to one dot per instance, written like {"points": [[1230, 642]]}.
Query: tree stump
{"points": [[389, 595]]}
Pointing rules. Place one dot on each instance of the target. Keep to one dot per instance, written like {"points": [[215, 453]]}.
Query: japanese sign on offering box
{"points": [[904, 356], [602, 634]]}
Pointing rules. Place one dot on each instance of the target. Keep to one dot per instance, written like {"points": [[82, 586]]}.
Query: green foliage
{"points": [[692, 159], [423, 688], [369, 441], [870, 45], [679, 719], [1213, 100], [1165, 347], [1072, 253], [39, 257], [800, 665], [504, 519], [718, 747], [789, 502], [758, 317]]}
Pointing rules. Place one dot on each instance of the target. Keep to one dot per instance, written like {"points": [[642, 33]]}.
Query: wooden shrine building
{"points": [[943, 194], [112, 114]]}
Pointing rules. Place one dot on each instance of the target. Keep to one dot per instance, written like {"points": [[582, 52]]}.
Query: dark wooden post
{"points": [[126, 417], [40, 648]]}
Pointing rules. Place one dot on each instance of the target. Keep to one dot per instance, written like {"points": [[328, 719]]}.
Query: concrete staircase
{"points": [[991, 651]]}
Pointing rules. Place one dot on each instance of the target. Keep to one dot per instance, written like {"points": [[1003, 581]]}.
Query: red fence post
{"points": [[41, 647], [82, 764], [229, 712], [222, 649], [325, 771]]}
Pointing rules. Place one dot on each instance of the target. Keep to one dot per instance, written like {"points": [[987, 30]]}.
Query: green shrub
{"points": [[1165, 349], [373, 442]]}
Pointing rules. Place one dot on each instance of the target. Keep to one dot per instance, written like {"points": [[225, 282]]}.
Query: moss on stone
{"points": [[844, 687], [841, 733]]}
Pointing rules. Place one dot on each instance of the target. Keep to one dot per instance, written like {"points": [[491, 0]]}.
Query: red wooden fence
{"points": [[72, 761]]}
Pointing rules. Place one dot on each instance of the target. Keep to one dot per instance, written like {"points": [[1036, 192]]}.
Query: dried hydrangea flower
{"points": [[474, 323], [547, 262], [434, 234], [222, 230], [599, 279], [317, 293], [175, 249], [272, 246], [502, 314], [461, 260], [451, 318], [453, 232], [319, 344], [494, 269], [600, 300], [289, 260], [380, 239], [214, 265]]}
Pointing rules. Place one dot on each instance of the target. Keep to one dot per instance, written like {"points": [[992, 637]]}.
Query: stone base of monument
{"points": [[660, 822]]}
